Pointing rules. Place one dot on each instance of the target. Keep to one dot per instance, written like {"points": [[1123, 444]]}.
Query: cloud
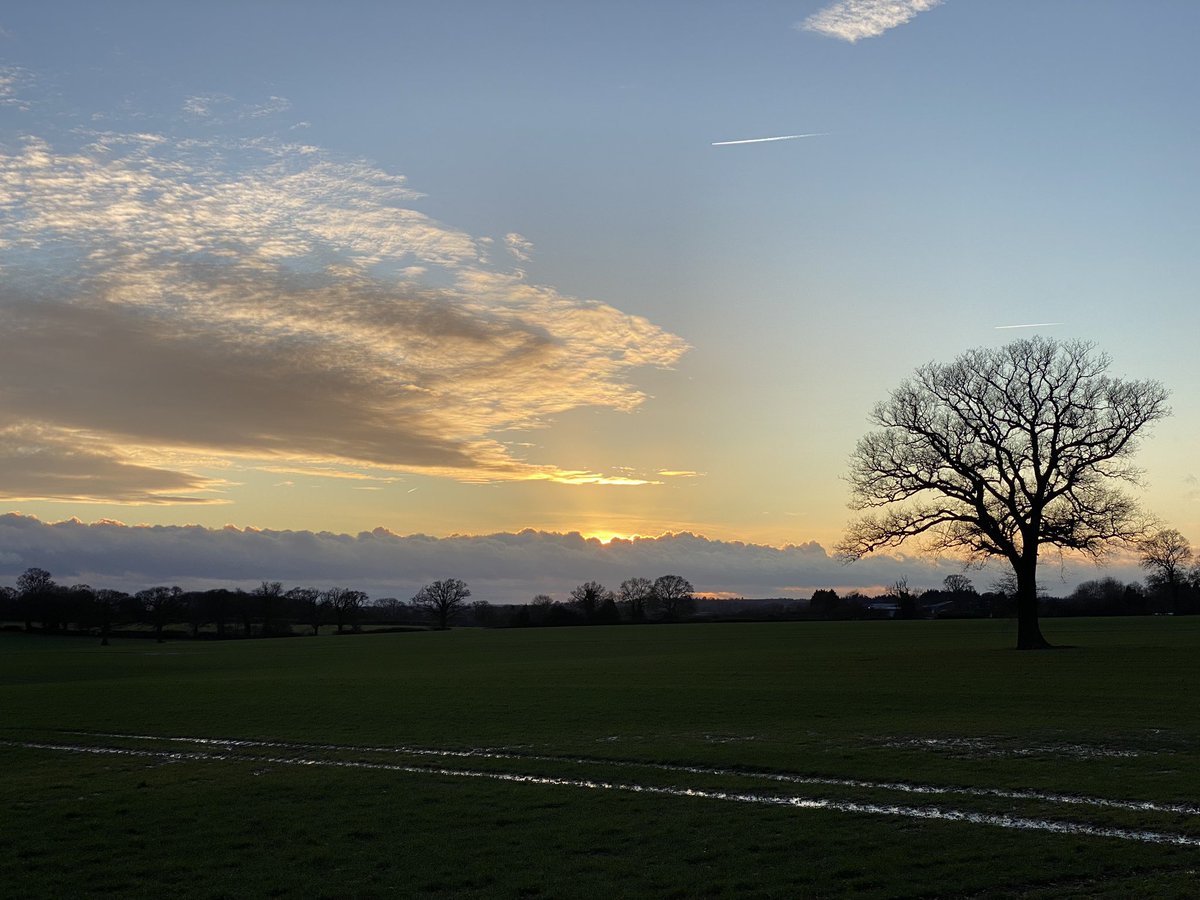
{"points": [[593, 478], [853, 20], [14, 81], [321, 472], [272, 106], [500, 568], [269, 302], [222, 108], [1191, 491], [204, 106], [519, 246], [36, 463]]}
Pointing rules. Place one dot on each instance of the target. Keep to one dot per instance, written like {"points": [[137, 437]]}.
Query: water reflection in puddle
{"points": [[1022, 823]]}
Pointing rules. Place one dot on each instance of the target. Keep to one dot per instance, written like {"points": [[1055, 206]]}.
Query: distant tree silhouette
{"points": [[634, 595], [221, 605], [539, 609], [34, 589], [344, 604], [158, 605], [391, 609], [80, 606], [245, 608], [442, 600], [194, 607], [608, 614], [1166, 554], [957, 585], [588, 598], [269, 596], [1000, 453], [906, 603], [9, 607], [672, 597], [311, 607], [1106, 596], [107, 605], [824, 602], [483, 614]]}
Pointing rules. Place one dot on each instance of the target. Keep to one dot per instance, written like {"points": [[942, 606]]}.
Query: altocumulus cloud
{"points": [[853, 20], [500, 568], [169, 299]]}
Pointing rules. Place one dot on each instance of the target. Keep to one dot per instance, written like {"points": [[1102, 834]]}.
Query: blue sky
{"points": [[491, 249]]}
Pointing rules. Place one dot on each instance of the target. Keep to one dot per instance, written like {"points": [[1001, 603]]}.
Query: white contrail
{"points": [[782, 137], [1030, 325]]}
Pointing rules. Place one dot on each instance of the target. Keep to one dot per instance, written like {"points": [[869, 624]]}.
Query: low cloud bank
{"points": [[500, 568]]}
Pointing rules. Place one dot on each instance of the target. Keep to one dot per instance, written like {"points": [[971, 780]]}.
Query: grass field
{"points": [[874, 759]]}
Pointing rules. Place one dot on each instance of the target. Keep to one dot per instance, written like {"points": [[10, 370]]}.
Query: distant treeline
{"points": [[38, 603]]}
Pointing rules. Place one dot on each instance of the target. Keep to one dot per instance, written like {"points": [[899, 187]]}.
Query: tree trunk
{"points": [[1029, 633]]}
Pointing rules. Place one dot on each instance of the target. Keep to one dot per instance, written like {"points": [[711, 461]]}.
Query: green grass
{"points": [[944, 703]]}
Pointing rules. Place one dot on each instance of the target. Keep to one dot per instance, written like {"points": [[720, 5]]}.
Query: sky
{"points": [[288, 289]]}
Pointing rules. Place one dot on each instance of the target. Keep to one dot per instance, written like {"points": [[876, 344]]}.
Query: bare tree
{"points": [[589, 597], [310, 604], [1166, 555], [906, 603], [34, 588], [269, 594], [158, 604], [634, 594], [8, 602], [344, 603], [442, 600], [107, 605], [1001, 452], [195, 610], [540, 609], [957, 585], [390, 609], [672, 597]]}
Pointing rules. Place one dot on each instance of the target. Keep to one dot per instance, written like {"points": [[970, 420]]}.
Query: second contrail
{"points": [[1030, 325], [763, 140]]}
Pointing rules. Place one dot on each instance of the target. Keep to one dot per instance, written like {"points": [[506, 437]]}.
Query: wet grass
{"points": [[939, 702]]}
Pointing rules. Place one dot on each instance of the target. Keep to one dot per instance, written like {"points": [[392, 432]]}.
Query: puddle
{"points": [[1020, 823], [900, 787], [982, 747]]}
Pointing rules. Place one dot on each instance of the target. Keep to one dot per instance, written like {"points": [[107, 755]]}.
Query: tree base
{"points": [[1030, 637], [1039, 644]]}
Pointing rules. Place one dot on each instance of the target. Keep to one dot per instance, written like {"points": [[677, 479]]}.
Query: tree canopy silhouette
{"points": [[1165, 555], [1001, 452], [672, 597], [589, 598], [442, 600]]}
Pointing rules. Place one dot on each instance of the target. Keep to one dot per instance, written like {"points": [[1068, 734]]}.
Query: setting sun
{"points": [[605, 536]]}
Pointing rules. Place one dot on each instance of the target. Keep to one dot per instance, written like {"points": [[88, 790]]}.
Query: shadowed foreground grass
{"points": [[943, 703]]}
